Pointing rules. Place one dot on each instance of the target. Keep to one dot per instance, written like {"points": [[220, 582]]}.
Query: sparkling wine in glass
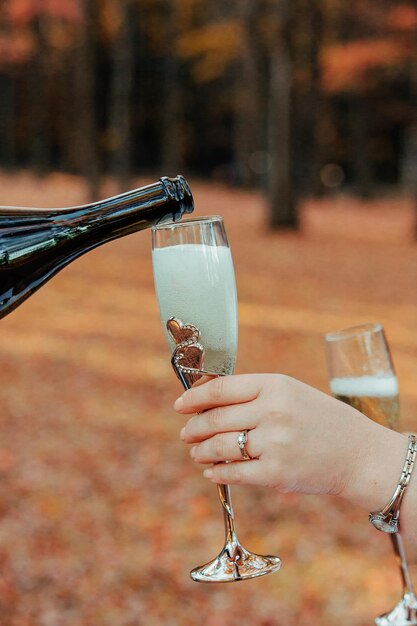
{"points": [[361, 373], [196, 291]]}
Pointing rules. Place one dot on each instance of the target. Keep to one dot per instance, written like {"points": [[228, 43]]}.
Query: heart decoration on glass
{"points": [[188, 356], [182, 333]]}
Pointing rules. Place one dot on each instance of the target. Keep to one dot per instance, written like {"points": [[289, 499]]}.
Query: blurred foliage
{"points": [[260, 93]]}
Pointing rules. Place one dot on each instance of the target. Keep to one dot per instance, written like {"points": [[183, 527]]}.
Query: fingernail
{"points": [[192, 451], [179, 403], [208, 473], [182, 433]]}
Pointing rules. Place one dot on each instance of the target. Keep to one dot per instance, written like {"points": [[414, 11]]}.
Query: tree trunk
{"points": [[413, 98], [38, 99], [308, 148], [87, 136], [360, 122], [280, 124], [248, 139], [120, 97], [172, 139], [316, 97], [7, 147]]}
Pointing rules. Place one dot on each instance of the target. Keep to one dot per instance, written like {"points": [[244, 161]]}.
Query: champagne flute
{"points": [[196, 291], [362, 374]]}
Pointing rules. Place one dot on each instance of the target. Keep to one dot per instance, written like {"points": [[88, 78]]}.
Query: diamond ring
{"points": [[242, 440]]}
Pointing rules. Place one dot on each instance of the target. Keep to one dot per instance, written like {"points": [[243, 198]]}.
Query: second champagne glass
{"points": [[362, 374], [196, 290]]}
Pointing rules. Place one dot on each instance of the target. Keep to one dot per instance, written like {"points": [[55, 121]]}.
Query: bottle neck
{"points": [[179, 191], [170, 192], [166, 200], [170, 195]]}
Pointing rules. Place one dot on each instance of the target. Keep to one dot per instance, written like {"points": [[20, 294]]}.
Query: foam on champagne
{"points": [[365, 386], [196, 283]]}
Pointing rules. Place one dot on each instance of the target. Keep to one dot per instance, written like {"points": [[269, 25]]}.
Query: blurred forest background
{"points": [[283, 113], [297, 97]]}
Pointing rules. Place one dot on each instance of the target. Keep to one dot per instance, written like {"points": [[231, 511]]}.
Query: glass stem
{"points": [[223, 490], [397, 544], [229, 517]]}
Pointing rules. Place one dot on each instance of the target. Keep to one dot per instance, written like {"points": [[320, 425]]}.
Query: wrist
{"points": [[376, 468]]}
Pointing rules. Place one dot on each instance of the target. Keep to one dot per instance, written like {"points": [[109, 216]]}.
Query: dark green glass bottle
{"points": [[36, 243]]}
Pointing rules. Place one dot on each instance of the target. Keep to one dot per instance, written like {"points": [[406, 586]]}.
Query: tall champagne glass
{"points": [[196, 290], [362, 374]]}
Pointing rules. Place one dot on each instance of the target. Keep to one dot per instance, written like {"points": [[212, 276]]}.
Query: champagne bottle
{"points": [[36, 243]]}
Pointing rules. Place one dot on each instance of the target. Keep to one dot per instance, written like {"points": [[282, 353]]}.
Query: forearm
{"points": [[377, 471]]}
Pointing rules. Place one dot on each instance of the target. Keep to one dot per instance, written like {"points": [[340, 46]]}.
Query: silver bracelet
{"points": [[387, 520]]}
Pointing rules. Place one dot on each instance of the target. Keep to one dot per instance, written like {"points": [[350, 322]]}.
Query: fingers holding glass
{"points": [[220, 420], [225, 390], [236, 473]]}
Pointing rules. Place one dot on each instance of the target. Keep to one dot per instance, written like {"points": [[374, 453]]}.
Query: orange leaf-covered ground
{"points": [[102, 511]]}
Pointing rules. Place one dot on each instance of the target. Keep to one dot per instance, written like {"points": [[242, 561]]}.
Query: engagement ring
{"points": [[242, 440]]}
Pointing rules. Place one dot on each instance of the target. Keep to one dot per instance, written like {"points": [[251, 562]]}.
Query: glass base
{"points": [[234, 563], [404, 614]]}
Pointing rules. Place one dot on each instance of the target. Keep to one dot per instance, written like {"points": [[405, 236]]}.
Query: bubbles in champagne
{"points": [[196, 284], [374, 396]]}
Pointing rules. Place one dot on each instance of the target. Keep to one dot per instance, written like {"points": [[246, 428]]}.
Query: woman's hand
{"points": [[299, 439]]}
